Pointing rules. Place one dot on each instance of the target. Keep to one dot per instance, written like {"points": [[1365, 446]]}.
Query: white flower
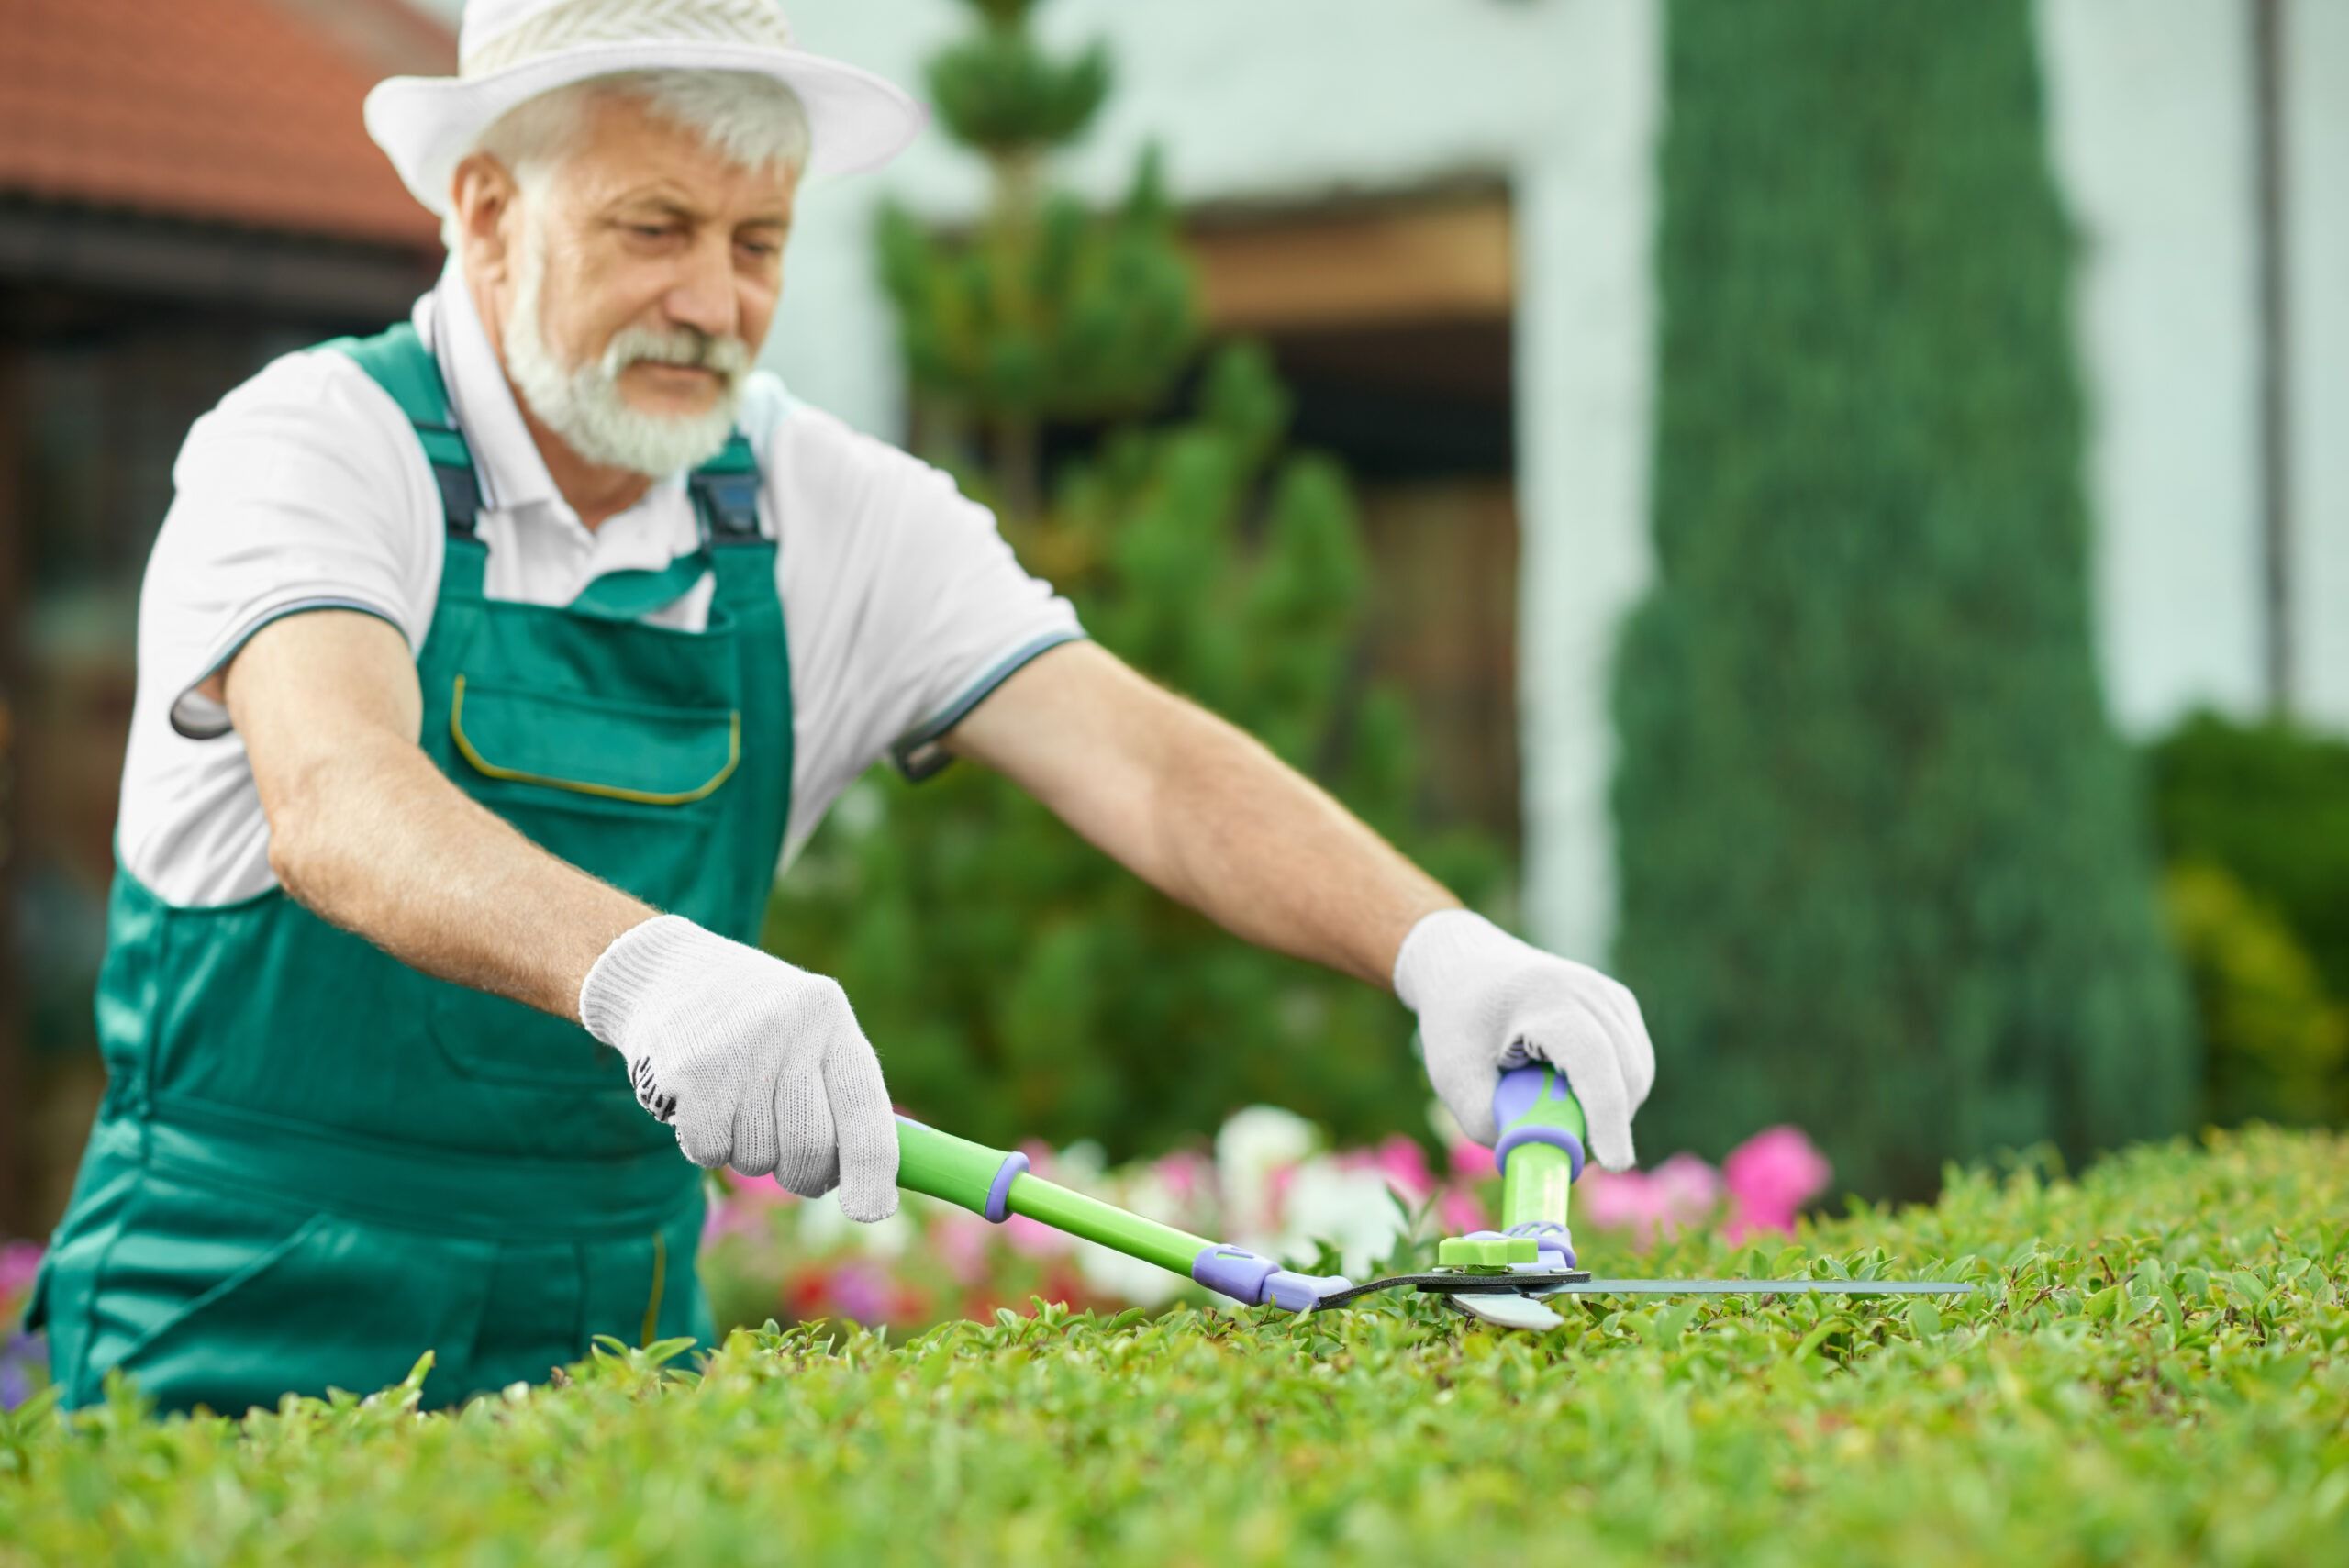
{"points": [[1351, 1208], [1252, 1146], [823, 1229], [1120, 1278]]}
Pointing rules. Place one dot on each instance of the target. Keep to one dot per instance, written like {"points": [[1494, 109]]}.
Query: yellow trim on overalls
{"points": [[580, 787]]}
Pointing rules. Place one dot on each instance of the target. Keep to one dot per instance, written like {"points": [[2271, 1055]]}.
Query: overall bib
{"points": [[312, 1162]]}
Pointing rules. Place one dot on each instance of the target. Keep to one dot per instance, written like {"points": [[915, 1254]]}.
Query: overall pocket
{"points": [[633, 753], [633, 792], [210, 1297]]}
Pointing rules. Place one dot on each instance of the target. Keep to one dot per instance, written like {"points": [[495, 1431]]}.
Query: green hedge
{"points": [[2155, 1370], [1885, 871]]}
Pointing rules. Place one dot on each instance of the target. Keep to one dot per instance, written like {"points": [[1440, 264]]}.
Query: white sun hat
{"points": [[510, 51]]}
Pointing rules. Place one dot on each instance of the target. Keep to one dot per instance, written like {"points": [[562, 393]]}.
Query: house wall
{"points": [[2152, 131], [2315, 89]]}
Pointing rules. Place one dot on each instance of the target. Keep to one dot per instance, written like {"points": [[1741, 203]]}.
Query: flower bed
{"points": [[2153, 1370]]}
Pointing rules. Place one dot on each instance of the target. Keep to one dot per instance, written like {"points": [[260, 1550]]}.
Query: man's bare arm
{"points": [[367, 833], [1200, 810]]}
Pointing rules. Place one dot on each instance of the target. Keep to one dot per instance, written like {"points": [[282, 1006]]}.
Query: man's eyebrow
{"points": [[677, 207], [668, 206]]}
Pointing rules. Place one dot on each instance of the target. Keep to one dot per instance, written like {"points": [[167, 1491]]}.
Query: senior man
{"points": [[487, 667]]}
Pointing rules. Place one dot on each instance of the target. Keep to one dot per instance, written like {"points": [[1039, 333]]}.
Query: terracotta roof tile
{"points": [[228, 111]]}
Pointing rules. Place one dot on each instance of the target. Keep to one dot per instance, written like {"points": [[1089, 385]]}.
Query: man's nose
{"points": [[702, 296]]}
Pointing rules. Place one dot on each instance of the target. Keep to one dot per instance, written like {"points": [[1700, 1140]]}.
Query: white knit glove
{"points": [[1487, 1001], [757, 1064]]}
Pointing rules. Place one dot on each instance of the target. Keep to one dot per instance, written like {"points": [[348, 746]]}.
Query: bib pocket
{"points": [[632, 753]]}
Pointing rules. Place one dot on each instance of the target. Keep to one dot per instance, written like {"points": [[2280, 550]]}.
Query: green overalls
{"points": [[312, 1162]]}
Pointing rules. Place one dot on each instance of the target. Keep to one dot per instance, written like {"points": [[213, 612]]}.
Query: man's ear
{"points": [[481, 196]]}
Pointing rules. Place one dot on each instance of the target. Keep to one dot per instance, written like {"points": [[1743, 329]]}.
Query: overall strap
{"points": [[403, 366], [726, 494]]}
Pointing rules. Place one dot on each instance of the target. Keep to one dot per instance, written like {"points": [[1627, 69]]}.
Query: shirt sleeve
{"points": [[905, 605], [301, 490]]}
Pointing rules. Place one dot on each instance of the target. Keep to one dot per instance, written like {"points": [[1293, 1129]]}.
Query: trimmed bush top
{"points": [[2154, 1369]]}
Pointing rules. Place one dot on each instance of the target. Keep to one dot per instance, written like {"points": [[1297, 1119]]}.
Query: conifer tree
{"points": [[1886, 868], [1017, 982]]}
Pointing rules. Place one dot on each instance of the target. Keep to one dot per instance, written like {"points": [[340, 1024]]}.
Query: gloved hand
{"points": [[1487, 1001], [758, 1064]]}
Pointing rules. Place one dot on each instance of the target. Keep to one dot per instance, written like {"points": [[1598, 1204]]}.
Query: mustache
{"points": [[729, 357]]}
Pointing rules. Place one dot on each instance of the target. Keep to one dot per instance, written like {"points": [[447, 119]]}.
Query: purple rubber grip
{"points": [[1555, 1136], [998, 1208], [1233, 1271], [1518, 1092], [1256, 1280]]}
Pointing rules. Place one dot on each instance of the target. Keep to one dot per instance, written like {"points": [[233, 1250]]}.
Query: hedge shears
{"points": [[1499, 1276]]}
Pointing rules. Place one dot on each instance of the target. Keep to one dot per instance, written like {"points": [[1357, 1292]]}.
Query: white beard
{"points": [[585, 406]]}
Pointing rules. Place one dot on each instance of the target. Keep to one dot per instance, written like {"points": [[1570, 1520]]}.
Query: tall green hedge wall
{"points": [[1885, 871]]}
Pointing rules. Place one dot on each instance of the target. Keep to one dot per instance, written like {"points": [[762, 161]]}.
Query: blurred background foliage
{"points": [[2255, 820], [1025, 985], [1884, 867]]}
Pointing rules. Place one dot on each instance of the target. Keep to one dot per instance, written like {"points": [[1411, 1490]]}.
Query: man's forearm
{"points": [[1255, 845], [377, 841], [1202, 812], [366, 833]]}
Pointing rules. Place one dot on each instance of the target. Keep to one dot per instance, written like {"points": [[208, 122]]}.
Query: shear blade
{"points": [[1507, 1311], [1759, 1287]]}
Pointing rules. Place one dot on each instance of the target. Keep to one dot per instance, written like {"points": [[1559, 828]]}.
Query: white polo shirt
{"points": [[307, 488]]}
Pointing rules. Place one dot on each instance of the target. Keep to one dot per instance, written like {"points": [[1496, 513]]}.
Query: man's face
{"points": [[636, 280]]}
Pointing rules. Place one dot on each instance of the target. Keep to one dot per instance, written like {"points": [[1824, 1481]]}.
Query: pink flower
{"points": [[1405, 1165], [1185, 1174], [1771, 1175], [1276, 1186], [1025, 1235], [742, 1210], [863, 1292], [1680, 1192], [1472, 1162], [19, 1260], [958, 1239], [758, 1192], [1459, 1211]]}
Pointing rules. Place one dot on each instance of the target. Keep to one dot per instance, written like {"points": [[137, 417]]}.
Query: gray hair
{"points": [[749, 120]]}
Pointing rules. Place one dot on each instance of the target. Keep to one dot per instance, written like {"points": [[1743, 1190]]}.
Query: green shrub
{"points": [[2277, 1044], [2153, 1370], [2270, 804], [1885, 869]]}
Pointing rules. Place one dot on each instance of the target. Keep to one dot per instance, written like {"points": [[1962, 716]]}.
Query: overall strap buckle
{"points": [[725, 492], [397, 361], [452, 471]]}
